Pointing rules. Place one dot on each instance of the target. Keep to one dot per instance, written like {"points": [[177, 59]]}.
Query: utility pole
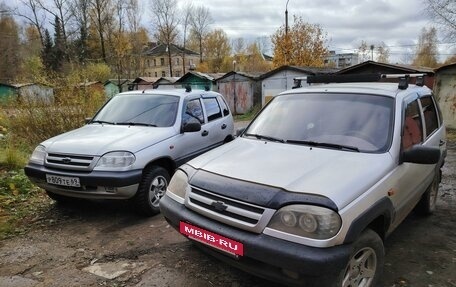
{"points": [[372, 52], [286, 19]]}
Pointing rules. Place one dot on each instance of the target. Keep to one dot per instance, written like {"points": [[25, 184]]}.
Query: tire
{"points": [[152, 187], [426, 205], [365, 265], [61, 199]]}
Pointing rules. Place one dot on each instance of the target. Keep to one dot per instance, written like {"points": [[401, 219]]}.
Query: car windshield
{"points": [[140, 109], [352, 122]]}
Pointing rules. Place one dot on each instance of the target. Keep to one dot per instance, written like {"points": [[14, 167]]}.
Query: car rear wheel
{"points": [[426, 205], [365, 265], [151, 189]]}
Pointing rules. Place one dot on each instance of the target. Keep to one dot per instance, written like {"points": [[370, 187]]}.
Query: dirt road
{"points": [[106, 244]]}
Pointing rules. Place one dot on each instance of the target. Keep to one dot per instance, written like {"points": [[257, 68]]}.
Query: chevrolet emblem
{"points": [[219, 205]]}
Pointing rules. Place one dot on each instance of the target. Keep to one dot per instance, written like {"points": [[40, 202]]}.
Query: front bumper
{"points": [[94, 184], [265, 256]]}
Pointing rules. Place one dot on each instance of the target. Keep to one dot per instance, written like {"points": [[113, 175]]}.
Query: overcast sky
{"points": [[347, 22]]}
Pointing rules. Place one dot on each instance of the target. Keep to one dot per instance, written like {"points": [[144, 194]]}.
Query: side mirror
{"points": [[421, 155], [191, 126]]}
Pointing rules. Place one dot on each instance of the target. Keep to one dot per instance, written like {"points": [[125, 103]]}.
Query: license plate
{"points": [[63, 180], [212, 239]]}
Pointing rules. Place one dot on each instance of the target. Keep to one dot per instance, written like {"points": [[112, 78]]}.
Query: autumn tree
{"points": [[200, 22], [217, 50], [255, 60], [426, 54], [444, 14], [166, 20], [9, 47], [383, 53], [303, 45]]}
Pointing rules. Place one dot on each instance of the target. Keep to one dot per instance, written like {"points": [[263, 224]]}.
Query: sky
{"points": [[397, 23]]}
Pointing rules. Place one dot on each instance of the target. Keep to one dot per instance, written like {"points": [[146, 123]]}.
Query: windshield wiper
{"points": [[323, 144], [101, 122], [136, 124], [269, 138]]}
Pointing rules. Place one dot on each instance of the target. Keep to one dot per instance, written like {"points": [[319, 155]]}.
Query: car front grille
{"points": [[229, 211], [70, 162]]}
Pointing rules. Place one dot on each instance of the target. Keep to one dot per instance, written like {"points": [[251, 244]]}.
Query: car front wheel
{"points": [[426, 205], [365, 265], [151, 189]]}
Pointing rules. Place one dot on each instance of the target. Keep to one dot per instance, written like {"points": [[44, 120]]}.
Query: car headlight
{"points": [[116, 159], [178, 185], [38, 155], [306, 221]]}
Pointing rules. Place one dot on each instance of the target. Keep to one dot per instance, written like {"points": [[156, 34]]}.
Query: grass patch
{"points": [[20, 201], [249, 115]]}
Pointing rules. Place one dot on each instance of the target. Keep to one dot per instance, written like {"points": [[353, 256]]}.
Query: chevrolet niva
{"points": [[308, 192], [132, 146]]}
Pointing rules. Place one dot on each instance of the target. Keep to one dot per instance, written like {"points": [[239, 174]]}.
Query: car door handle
{"points": [[223, 126], [442, 142], [204, 133]]}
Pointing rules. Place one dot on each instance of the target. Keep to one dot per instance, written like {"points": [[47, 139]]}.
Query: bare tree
{"points": [[200, 21], [34, 16], [444, 13], [133, 15], [101, 14], [166, 20], [80, 12], [60, 9], [186, 18]]}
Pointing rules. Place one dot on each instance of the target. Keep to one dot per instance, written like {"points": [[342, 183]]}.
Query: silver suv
{"points": [[132, 146], [308, 192]]}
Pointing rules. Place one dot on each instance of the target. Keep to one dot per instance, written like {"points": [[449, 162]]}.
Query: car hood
{"points": [[96, 140], [341, 176]]}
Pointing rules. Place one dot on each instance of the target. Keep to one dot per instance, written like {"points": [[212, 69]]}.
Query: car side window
{"points": [[193, 110], [224, 107], [212, 109], [413, 131], [430, 115]]}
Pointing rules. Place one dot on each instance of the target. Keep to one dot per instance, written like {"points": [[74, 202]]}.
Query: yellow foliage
{"points": [[303, 45]]}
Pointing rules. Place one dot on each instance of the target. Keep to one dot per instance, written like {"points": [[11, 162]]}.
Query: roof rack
{"points": [[403, 79]]}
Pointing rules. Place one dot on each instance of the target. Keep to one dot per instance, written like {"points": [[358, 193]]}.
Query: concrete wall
{"points": [[445, 91]]}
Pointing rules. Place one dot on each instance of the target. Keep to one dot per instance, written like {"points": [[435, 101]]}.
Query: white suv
{"points": [[132, 146], [309, 191]]}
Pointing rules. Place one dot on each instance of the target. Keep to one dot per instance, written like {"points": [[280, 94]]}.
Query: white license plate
{"points": [[63, 180]]}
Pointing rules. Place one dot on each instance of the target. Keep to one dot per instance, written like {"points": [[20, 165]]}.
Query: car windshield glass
{"points": [[141, 110], [352, 122]]}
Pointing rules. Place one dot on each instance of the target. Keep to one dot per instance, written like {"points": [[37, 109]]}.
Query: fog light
{"points": [[111, 189]]}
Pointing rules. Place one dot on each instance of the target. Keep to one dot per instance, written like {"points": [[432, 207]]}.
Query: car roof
{"points": [[181, 93], [384, 89]]}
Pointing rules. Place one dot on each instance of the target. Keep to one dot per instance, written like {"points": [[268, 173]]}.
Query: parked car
{"points": [[132, 146], [307, 194]]}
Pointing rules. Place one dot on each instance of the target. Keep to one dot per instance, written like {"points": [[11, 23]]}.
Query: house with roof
{"points": [[283, 78], [142, 83], [156, 61], [384, 68], [165, 83], [198, 80], [32, 91], [445, 92], [242, 91]]}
